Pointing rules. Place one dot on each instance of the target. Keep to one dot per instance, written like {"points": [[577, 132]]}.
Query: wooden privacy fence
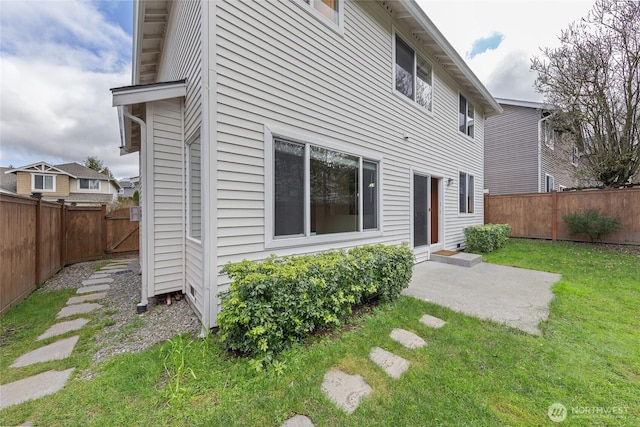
{"points": [[539, 215], [39, 238]]}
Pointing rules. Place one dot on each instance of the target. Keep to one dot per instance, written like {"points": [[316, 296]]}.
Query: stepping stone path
{"points": [[347, 391], [50, 382]]}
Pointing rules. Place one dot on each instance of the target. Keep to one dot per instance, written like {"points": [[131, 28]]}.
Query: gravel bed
{"points": [[125, 330]]}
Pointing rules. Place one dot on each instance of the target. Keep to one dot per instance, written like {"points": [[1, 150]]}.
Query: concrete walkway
{"points": [[514, 296], [50, 382]]}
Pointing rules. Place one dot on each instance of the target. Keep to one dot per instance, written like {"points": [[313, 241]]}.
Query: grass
{"points": [[472, 372]]}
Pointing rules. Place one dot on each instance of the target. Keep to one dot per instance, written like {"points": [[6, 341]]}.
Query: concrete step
{"points": [[57, 351], [461, 259], [407, 338], [392, 364]]}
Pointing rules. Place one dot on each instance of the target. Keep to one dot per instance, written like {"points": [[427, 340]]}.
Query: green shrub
{"points": [[276, 302], [486, 238], [591, 223]]}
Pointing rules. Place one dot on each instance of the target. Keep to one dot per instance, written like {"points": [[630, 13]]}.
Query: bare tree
{"points": [[593, 79]]}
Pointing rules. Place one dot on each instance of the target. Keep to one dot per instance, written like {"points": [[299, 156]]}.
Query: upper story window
{"points": [[329, 9], [548, 183], [43, 182], [413, 75], [88, 184], [547, 132], [466, 117], [575, 156], [466, 190]]}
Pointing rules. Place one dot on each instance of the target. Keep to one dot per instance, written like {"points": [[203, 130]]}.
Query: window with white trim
{"points": [[322, 191], [575, 155], [194, 187], [43, 182], [548, 183], [88, 184], [466, 189], [466, 117], [329, 9], [548, 133], [413, 75]]}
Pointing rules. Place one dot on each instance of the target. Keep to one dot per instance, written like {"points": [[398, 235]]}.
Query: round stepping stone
{"points": [[298, 421], [85, 298], [346, 391], [432, 322], [34, 387], [63, 328], [71, 310], [57, 351], [93, 288], [392, 364], [100, 281], [407, 339]]}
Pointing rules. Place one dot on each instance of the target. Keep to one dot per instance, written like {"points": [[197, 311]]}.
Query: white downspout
{"points": [[142, 306], [540, 154]]}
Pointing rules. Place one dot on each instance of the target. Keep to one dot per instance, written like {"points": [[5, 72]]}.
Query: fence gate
{"points": [[123, 235]]}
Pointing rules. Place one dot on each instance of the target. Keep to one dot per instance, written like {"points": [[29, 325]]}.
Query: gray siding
{"points": [[557, 163], [511, 151], [182, 59], [278, 65], [167, 194]]}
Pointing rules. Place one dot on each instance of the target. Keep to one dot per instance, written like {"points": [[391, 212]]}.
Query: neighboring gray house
{"points": [[293, 127], [129, 186], [524, 154]]}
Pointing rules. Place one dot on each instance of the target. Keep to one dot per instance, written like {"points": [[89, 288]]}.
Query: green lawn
{"points": [[472, 372]]}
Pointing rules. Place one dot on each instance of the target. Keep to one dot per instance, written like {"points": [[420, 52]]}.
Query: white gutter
{"points": [[142, 306]]}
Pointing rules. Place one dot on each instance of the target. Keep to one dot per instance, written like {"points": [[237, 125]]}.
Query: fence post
{"points": [[63, 233], [38, 255], [103, 231], [554, 215]]}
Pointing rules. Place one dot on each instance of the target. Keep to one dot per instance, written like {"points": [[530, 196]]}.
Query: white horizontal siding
{"points": [[168, 195]]}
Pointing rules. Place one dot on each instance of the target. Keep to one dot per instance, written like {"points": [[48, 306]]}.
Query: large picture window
{"points": [[413, 75], [321, 191], [467, 188], [194, 184]]}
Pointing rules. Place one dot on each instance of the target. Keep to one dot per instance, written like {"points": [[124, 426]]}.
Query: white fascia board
{"points": [[148, 93], [430, 28], [138, 21], [528, 104]]}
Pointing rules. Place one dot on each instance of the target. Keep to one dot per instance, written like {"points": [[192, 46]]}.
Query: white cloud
{"points": [[526, 25], [58, 61]]}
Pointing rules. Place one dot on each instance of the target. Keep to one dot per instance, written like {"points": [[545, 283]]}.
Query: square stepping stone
{"points": [[57, 351], [392, 364], [74, 309], [346, 391], [432, 322], [34, 387], [298, 421], [63, 328], [407, 339], [99, 281], [93, 288], [85, 298]]}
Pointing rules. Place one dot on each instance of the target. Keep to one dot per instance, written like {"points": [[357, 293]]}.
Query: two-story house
{"points": [[74, 183], [293, 127], [524, 153]]}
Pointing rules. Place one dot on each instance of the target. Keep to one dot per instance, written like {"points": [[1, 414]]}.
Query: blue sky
{"points": [[58, 60]]}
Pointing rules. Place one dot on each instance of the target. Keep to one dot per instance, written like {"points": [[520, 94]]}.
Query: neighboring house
{"points": [[74, 183], [129, 186], [293, 127], [525, 154]]}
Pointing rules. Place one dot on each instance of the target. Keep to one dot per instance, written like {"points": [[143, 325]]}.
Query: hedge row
{"points": [[486, 238], [273, 303]]}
